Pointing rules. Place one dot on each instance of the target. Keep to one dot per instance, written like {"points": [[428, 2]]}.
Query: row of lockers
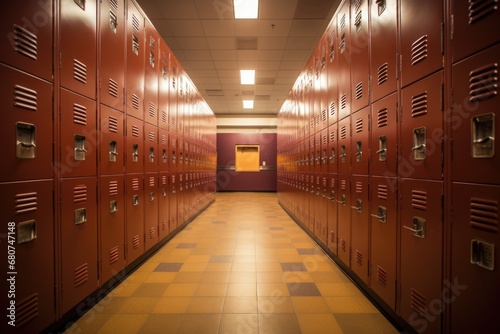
{"points": [[387, 156]]}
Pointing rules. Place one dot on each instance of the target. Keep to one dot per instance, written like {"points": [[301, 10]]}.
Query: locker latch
{"points": [[418, 227], [164, 192], [343, 153], [173, 190], [332, 156], [359, 151], [113, 206], [382, 148], [151, 154], [26, 231], [381, 214], [174, 159], [483, 136], [332, 196], [164, 156], [419, 150], [135, 200], [342, 199], [381, 6], [80, 216], [80, 150], [135, 153], [135, 44], [112, 151], [359, 206], [482, 254], [324, 158], [25, 141], [151, 196]]}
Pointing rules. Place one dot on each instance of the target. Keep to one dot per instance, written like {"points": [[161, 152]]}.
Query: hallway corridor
{"points": [[242, 266]]}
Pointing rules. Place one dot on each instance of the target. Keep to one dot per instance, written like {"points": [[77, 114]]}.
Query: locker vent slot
{"points": [[135, 131], [343, 184], [173, 79], [113, 21], [483, 83], [419, 50], [151, 137], [359, 257], [25, 98], [173, 122], [25, 42], [324, 115], [135, 184], [418, 302], [332, 136], [164, 226], [382, 118], [317, 119], [80, 194], [135, 241], [135, 23], [343, 132], [382, 276], [164, 117], [25, 203], [419, 199], [342, 22], [152, 110], [79, 71], [343, 101], [113, 255], [343, 245], [332, 108], [382, 191], [359, 187], [114, 4], [152, 233], [113, 188], [79, 114], [26, 310], [81, 275], [484, 214], [112, 88], [382, 74], [164, 140], [81, 3], [357, 4], [419, 105], [135, 101], [359, 125], [478, 9], [359, 90], [332, 237], [164, 180], [113, 124], [26, 231], [152, 181]]}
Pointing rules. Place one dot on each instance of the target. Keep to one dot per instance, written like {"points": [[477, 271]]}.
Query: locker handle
{"points": [[377, 216], [418, 147], [381, 150], [413, 230], [135, 154], [483, 140], [113, 153], [25, 144], [358, 152], [78, 149], [343, 155]]}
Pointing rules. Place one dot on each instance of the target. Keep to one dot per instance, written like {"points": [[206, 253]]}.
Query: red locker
{"points": [[421, 39], [151, 199], [332, 71], [134, 161], [476, 158], [78, 56], [421, 254], [163, 206], [384, 138], [186, 155], [422, 129], [332, 149], [173, 184], [182, 100], [344, 146], [111, 139], [27, 126], [181, 199], [344, 218], [360, 213], [78, 240], [152, 155], [316, 228], [173, 93], [344, 60], [474, 21], [134, 223], [324, 151], [78, 150], [180, 152], [27, 43], [384, 51], [173, 152], [360, 141], [317, 152], [473, 289], [134, 80], [383, 236], [28, 227], [152, 72], [163, 150], [163, 86], [323, 81], [332, 193], [111, 226], [322, 232], [112, 53]]}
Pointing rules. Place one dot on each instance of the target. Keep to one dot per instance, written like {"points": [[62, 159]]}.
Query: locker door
{"points": [[332, 71], [28, 226], [384, 138], [475, 22], [344, 60], [134, 81], [163, 86], [344, 146], [152, 65], [173, 93], [323, 209], [152, 155], [163, 150], [474, 288], [475, 119], [27, 123], [112, 53], [78, 240], [383, 234], [317, 152], [421, 254], [78, 56], [324, 151], [421, 129], [134, 161], [173, 222], [317, 205], [134, 237], [332, 149], [360, 211], [111, 226], [112, 147], [421, 39], [181, 202], [173, 152], [151, 198], [323, 83], [78, 150], [332, 213], [180, 153], [360, 141], [344, 219], [359, 53], [384, 50], [28, 31]]}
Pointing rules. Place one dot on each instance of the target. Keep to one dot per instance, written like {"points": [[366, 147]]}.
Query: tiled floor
{"points": [[242, 266]]}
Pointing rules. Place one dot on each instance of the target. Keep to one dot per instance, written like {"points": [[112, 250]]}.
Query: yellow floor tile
{"points": [[206, 305], [242, 289], [180, 289], [318, 323], [235, 304], [172, 305], [123, 323], [310, 305]]}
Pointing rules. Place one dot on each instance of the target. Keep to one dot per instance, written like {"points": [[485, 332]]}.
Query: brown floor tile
{"points": [[206, 305], [239, 323], [235, 304], [279, 323], [319, 323], [364, 323], [162, 323], [150, 290], [200, 324]]}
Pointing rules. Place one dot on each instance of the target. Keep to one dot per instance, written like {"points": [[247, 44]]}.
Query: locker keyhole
{"points": [[483, 136]]}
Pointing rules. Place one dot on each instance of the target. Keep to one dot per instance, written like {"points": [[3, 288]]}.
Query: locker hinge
{"points": [[397, 66], [442, 38], [369, 269], [452, 18], [442, 156], [442, 96], [451, 215], [60, 60], [442, 208]]}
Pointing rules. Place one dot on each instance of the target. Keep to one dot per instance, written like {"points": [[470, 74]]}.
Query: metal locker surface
{"points": [[112, 53], [181, 198], [421, 39], [344, 60], [344, 219], [134, 160], [151, 199], [473, 289], [344, 148], [173, 185], [26, 126], [421, 254], [474, 118], [422, 129], [78, 240], [325, 154], [317, 152], [318, 212], [112, 212], [174, 152], [360, 141], [332, 149], [475, 25], [173, 93], [78, 146], [78, 56], [332, 70], [163, 150], [180, 152], [111, 141], [163, 86], [332, 193], [360, 213], [28, 226], [383, 238], [152, 72], [152, 155], [28, 28], [134, 80], [323, 81], [312, 202], [163, 206], [384, 137], [134, 221], [384, 48]]}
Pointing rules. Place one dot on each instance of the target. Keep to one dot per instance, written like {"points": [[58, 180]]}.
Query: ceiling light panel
{"points": [[246, 9], [247, 77], [247, 104]]}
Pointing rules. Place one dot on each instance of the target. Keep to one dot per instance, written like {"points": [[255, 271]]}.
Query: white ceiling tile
{"points": [[185, 28], [275, 28], [224, 55], [310, 28], [277, 9], [217, 9], [218, 28], [200, 55], [226, 65], [201, 65], [301, 43], [192, 43], [272, 43], [221, 43], [177, 9]]}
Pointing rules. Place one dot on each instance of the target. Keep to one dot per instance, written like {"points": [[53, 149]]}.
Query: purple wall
{"points": [[229, 180]]}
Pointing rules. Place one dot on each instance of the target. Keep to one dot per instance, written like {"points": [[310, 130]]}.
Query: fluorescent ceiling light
{"points": [[247, 104], [247, 77], [246, 9]]}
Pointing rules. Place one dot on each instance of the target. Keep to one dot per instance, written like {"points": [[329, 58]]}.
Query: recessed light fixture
{"points": [[247, 104], [247, 77], [246, 9]]}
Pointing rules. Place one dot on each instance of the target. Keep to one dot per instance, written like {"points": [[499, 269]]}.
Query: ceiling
{"points": [[212, 47]]}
